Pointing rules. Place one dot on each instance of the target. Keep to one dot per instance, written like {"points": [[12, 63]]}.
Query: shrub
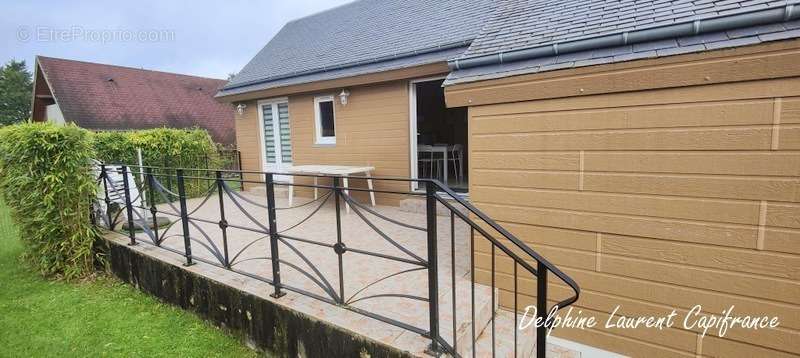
{"points": [[163, 147], [114, 147], [46, 180]]}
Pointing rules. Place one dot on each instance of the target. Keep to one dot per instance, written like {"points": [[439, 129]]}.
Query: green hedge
{"points": [[161, 147], [46, 180], [166, 148]]}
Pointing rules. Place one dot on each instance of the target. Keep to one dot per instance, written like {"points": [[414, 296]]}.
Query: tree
{"points": [[16, 85]]}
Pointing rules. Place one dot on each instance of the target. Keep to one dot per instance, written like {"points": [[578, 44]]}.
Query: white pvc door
{"points": [[276, 135]]}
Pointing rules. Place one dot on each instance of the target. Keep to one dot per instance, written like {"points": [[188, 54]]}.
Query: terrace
{"points": [[404, 276]]}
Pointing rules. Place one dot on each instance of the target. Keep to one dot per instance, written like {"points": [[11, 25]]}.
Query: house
{"points": [[106, 97], [649, 148]]}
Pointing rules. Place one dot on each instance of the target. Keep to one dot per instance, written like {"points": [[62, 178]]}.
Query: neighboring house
{"points": [[648, 148], [106, 97]]}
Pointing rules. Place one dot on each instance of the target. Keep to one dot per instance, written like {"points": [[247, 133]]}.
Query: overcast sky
{"points": [[201, 37]]}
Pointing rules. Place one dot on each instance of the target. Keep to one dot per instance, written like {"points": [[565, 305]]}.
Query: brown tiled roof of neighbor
{"points": [[106, 97]]}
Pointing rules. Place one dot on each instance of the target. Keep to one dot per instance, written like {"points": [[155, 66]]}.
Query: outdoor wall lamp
{"points": [[343, 96], [240, 108]]}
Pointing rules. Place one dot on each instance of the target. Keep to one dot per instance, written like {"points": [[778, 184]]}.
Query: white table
{"points": [[443, 149], [332, 170]]}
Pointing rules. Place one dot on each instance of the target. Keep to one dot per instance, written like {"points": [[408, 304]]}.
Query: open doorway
{"points": [[439, 150]]}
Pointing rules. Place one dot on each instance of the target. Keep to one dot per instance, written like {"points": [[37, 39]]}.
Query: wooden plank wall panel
{"points": [[248, 142], [653, 200], [371, 130], [741, 64]]}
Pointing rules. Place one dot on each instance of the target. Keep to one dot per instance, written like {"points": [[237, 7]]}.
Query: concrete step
{"points": [[463, 311], [504, 327]]}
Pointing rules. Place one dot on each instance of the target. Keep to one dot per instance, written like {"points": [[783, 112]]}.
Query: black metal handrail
{"points": [[517, 242], [119, 184], [543, 265]]}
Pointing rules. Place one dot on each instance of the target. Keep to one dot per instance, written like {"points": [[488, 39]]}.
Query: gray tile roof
{"points": [[712, 41], [370, 36], [361, 32], [405, 62], [518, 24], [523, 24]]}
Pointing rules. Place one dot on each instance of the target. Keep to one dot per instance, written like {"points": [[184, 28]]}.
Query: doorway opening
{"points": [[439, 144]]}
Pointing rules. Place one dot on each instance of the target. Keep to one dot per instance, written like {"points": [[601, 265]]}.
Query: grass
{"points": [[42, 318]]}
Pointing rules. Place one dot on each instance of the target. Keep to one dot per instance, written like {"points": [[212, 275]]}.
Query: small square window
{"points": [[325, 120]]}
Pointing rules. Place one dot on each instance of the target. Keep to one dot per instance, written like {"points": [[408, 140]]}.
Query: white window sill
{"points": [[325, 141]]}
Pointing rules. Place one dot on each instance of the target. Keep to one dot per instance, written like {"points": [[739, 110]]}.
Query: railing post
{"points": [[239, 166], [433, 269], [187, 242], [339, 248], [151, 183], [128, 205], [273, 236], [104, 176], [541, 309], [166, 172], [223, 223]]}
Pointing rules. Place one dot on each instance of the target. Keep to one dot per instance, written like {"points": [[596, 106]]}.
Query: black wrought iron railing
{"points": [[245, 228]]}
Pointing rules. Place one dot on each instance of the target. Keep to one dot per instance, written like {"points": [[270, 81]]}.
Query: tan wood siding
{"points": [[248, 141], [775, 60], [652, 199], [371, 130]]}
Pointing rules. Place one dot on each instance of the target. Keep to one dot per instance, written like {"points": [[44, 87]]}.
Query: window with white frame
{"points": [[325, 120]]}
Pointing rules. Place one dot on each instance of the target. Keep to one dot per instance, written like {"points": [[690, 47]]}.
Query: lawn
{"points": [[41, 318]]}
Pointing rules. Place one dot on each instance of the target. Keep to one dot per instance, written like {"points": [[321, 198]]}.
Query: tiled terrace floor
{"points": [[363, 275]]}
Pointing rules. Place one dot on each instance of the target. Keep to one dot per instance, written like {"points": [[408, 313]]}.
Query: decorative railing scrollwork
{"points": [[252, 236]]}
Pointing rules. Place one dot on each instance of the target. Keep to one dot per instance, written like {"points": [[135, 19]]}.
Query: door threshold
{"points": [[464, 196], [445, 195]]}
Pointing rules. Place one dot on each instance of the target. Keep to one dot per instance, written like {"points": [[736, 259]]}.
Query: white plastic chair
{"points": [[457, 158], [426, 158], [116, 189]]}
